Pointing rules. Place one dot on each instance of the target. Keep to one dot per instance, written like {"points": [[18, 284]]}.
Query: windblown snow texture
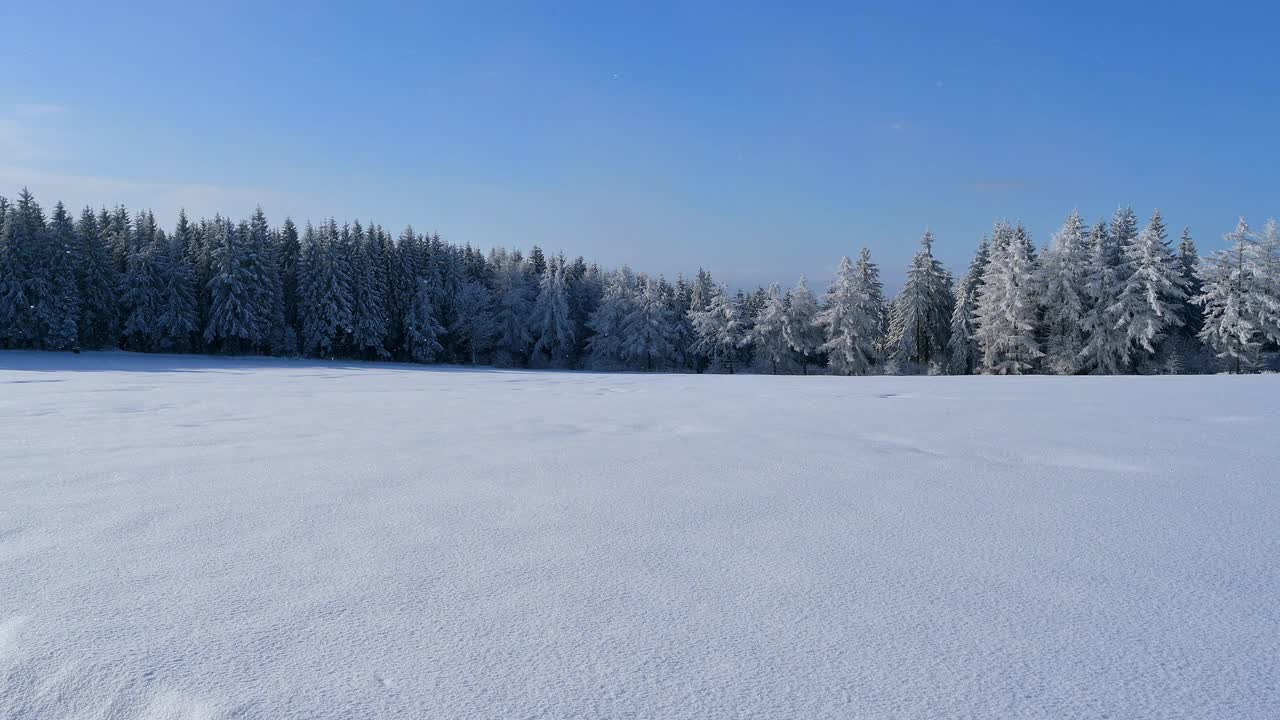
{"points": [[185, 537]]}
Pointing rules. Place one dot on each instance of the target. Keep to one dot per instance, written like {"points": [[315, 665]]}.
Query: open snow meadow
{"points": [[186, 537]]}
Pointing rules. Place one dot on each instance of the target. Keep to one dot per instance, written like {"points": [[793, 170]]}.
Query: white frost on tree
{"points": [[1153, 294], [963, 351], [769, 334], [1062, 296], [853, 317], [1007, 307], [920, 319], [719, 329]]}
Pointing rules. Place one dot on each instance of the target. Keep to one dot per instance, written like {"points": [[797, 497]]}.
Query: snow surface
{"points": [[199, 538]]}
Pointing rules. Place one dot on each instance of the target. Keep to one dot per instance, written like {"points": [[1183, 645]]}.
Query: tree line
{"points": [[1103, 299]]}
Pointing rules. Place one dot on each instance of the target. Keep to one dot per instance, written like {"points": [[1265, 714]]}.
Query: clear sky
{"points": [[761, 141]]}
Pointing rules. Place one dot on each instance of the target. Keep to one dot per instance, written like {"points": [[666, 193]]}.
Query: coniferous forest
{"points": [[1113, 297]]}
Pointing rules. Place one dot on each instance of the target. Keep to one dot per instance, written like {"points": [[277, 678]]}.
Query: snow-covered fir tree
{"points": [[1106, 348], [175, 319], [473, 325], [719, 329], [513, 308], [800, 325], [324, 291], [551, 326], [963, 350], [97, 283], [920, 318], [1229, 282], [768, 335], [646, 329], [1151, 299], [1007, 307], [1063, 296], [605, 347], [853, 317]]}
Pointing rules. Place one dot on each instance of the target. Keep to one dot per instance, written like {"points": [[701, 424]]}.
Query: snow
{"points": [[204, 538]]}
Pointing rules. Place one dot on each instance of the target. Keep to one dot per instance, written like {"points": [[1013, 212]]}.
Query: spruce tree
{"points": [[97, 283], [61, 319], [1150, 302], [473, 324], [232, 325], [1229, 325], [605, 348], [646, 329], [799, 328], [963, 350], [769, 334], [920, 319], [552, 328], [719, 329], [853, 317], [1106, 348], [1063, 296], [1007, 307]]}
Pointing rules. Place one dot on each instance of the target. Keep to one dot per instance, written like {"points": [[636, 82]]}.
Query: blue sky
{"points": [[761, 141]]}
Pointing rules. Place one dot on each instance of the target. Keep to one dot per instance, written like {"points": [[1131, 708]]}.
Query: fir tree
{"points": [[963, 349], [513, 310], [607, 341], [1229, 327], [646, 329], [769, 334], [920, 318], [232, 325], [1063, 296], [1106, 349], [853, 317], [552, 327], [800, 328], [719, 329], [1007, 307], [473, 319], [1150, 301], [96, 282]]}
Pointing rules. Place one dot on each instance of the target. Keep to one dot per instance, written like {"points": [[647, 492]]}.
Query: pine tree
{"points": [[768, 334], [1106, 349], [719, 329], [552, 327], [1188, 262], [270, 333], [962, 346], [290, 257], [799, 328], [646, 329], [853, 317], [1229, 327], [1264, 298], [605, 347], [513, 310], [1063, 296], [1007, 307], [175, 306], [919, 322], [369, 321], [232, 325], [473, 319], [140, 295], [24, 273], [96, 283], [61, 319], [325, 289], [1150, 301]]}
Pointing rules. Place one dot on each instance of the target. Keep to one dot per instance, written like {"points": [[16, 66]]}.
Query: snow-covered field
{"points": [[186, 537]]}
